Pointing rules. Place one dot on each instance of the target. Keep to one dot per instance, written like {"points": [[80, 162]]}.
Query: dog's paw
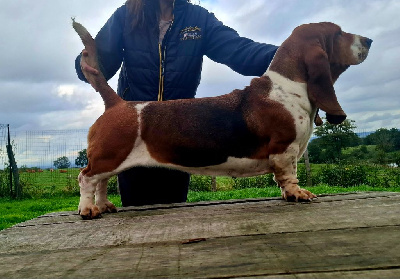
{"points": [[106, 207], [297, 194], [89, 212]]}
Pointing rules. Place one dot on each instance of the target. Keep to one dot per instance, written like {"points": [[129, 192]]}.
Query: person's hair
{"points": [[144, 11]]}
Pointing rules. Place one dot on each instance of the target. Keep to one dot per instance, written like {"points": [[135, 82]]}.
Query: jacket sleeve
{"points": [[224, 45], [109, 43]]}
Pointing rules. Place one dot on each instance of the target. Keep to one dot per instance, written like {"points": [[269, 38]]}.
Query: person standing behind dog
{"points": [[161, 44]]}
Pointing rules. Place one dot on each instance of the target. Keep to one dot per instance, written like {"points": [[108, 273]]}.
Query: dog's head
{"points": [[330, 52], [323, 51]]}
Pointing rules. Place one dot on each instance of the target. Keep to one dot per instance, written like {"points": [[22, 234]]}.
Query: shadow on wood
{"points": [[350, 235]]}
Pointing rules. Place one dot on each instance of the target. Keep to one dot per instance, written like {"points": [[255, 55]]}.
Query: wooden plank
{"points": [[365, 273], [215, 220], [351, 234], [274, 254]]}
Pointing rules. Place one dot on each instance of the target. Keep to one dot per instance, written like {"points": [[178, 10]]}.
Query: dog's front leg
{"points": [[285, 174], [87, 209], [102, 202]]}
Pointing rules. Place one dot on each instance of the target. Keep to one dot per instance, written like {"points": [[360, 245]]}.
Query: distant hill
{"points": [[360, 134]]}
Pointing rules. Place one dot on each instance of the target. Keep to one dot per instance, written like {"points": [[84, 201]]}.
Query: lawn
{"points": [[17, 211]]}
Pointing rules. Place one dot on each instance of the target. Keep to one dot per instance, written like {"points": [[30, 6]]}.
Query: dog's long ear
{"points": [[320, 85]]}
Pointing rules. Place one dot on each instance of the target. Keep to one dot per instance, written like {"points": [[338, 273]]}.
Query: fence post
{"points": [[13, 169], [213, 184], [308, 168], [11, 176]]}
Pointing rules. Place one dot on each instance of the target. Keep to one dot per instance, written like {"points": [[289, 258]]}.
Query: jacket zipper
{"points": [[161, 76], [161, 51]]}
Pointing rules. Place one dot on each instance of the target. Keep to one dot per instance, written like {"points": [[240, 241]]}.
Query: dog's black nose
{"points": [[368, 42]]}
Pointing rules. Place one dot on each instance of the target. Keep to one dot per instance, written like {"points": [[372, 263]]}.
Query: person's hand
{"points": [[87, 70]]}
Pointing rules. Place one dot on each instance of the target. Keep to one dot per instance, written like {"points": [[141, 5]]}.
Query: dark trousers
{"points": [[141, 186]]}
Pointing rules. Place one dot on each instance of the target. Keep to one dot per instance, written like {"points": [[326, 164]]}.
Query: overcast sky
{"points": [[39, 89]]}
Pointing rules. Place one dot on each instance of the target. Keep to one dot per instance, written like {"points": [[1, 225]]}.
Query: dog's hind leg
{"points": [[87, 209], [102, 202]]}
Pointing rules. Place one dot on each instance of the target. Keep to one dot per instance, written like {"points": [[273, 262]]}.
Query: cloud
{"points": [[39, 88]]}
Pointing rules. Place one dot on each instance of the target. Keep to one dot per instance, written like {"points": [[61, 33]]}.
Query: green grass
{"points": [[47, 183], [14, 212], [17, 211], [234, 194], [250, 193], [49, 178]]}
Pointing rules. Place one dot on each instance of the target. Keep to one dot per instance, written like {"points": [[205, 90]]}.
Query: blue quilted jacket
{"points": [[172, 70]]}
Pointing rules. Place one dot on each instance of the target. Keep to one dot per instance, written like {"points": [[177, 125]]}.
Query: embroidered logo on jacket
{"points": [[190, 33]]}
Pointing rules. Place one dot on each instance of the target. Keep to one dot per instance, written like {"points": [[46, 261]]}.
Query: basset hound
{"points": [[263, 128]]}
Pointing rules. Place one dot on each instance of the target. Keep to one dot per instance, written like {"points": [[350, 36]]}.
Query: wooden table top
{"points": [[350, 235]]}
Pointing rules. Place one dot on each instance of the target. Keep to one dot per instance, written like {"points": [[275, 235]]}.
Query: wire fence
{"points": [[40, 149], [36, 152]]}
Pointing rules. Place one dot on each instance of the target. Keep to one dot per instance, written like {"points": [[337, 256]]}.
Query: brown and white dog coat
{"points": [[263, 128]]}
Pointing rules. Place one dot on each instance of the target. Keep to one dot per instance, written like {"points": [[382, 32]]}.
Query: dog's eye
{"points": [[339, 33]]}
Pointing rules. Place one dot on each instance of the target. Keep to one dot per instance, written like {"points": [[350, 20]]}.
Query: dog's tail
{"points": [[98, 81]]}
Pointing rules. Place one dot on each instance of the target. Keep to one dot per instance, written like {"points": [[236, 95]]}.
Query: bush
{"points": [[72, 186], [4, 183], [260, 181], [200, 183], [394, 158], [29, 190], [384, 177], [343, 175], [302, 176], [359, 153], [112, 187]]}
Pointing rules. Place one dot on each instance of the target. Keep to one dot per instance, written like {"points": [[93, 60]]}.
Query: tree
{"points": [[359, 153], [397, 159], [331, 139], [62, 163], [384, 139], [82, 159], [315, 153]]}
